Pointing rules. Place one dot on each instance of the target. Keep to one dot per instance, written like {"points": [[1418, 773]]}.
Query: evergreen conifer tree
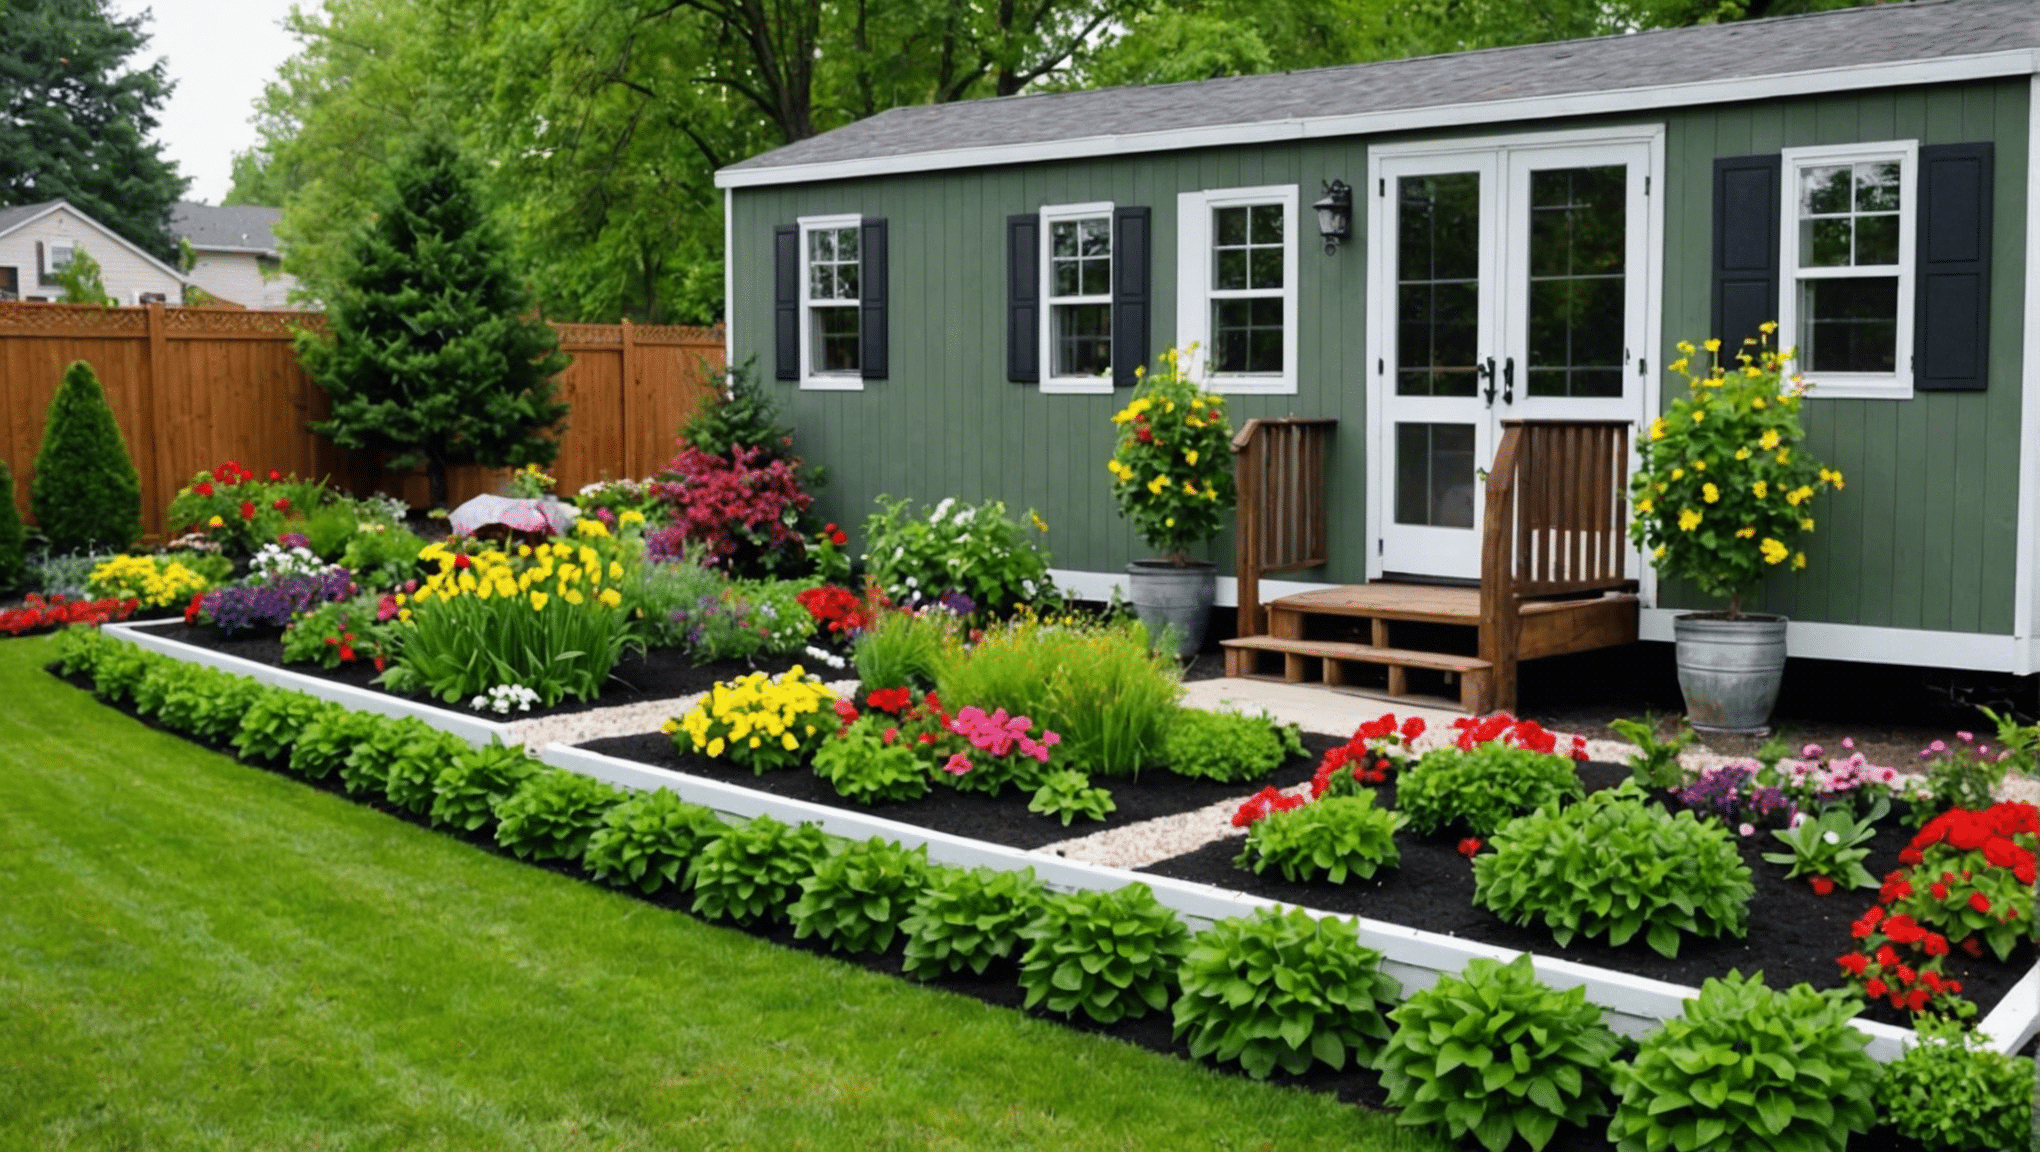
{"points": [[13, 563], [86, 493], [434, 358]]}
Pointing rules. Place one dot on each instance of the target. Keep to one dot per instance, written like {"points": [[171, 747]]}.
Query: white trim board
{"points": [[1866, 644], [1102, 586], [1732, 89], [2026, 555]]}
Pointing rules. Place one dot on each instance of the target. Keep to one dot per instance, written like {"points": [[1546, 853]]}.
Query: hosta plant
{"points": [[410, 776], [646, 841], [1067, 794], [1339, 837], [467, 790], [868, 763], [1828, 848], [758, 721], [753, 871], [1108, 955], [1952, 1091], [273, 723], [207, 705], [327, 740], [1496, 1054], [1227, 746], [117, 672], [967, 918], [366, 766], [1655, 766], [1283, 989], [552, 815], [856, 898], [156, 677], [1475, 792], [1611, 867], [1744, 1067]]}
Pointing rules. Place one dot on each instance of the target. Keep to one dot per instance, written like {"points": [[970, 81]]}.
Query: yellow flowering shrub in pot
{"points": [[1722, 489], [1172, 477]]}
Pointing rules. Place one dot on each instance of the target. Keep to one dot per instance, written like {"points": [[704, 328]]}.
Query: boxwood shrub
{"points": [[1106, 954], [1474, 793]]}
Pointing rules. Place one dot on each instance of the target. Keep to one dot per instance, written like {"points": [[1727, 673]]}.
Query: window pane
{"points": [[1098, 277], [1438, 229], [1438, 289], [1264, 350], [1266, 312], [1876, 239], [1824, 190], [1851, 325], [1247, 335], [1097, 236], [1063, 238], [1267, 223], [1230, 269], [835, 339], [1877, 187], [1266, 268], [1082, 339], [1229, 225], [846, 243], [1229, 314], [821, 245], [821, 283], [1434, 476], [1064, 280], [1824, 243], [846, 281]]}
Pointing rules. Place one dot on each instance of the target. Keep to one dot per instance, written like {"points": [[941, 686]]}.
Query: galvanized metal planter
{"points": [[1730, 670], [1169, 596]]}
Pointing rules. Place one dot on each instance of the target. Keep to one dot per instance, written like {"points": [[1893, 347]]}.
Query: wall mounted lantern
{"points": [[1335, 214]]}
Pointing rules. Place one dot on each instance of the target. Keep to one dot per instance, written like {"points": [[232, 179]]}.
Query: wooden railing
{"points": [[1555, 520], [1279, 466]]}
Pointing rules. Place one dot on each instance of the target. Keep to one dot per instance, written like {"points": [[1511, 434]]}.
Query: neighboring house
{"points": [[955, 296], [38, 240], [237, 257]]}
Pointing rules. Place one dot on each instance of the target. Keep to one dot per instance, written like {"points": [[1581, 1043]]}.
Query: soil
{"points": [[1002, 820], [655, 674]]}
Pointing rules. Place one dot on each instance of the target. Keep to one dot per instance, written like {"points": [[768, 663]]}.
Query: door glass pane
{"points": [[1578, 249], [1437, 284], [1851, 324], [1434, 475]]}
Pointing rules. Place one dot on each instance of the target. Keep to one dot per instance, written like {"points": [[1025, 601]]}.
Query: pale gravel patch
{"points": [[623, 720]]}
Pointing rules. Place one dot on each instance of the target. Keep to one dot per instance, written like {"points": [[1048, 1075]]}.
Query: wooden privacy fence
{"points": [[194, 386]]}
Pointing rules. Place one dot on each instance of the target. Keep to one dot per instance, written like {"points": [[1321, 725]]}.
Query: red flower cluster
{"points": [[233, 475], [920, 721], [1989, 831], [37, 613], [834, 535], [1264, 803], [1373, 752], [1502, 728], [1470, 847], [1882, 972], [836, 608]]}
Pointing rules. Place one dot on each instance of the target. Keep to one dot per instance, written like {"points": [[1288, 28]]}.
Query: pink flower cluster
{"points": [[997, 734], [742, 511]]}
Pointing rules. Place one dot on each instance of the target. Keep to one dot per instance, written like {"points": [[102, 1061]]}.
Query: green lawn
{"points": [[194, 954]]}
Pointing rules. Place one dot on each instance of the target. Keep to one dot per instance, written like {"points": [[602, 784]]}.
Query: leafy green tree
{"points": [[434, 358], [75, 118], [82, 282], [13, 561], [86, 493]]}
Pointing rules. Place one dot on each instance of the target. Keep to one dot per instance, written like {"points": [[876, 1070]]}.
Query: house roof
{"points": [[227, 227], [1878, 46], [15, 217], [20, 216]]}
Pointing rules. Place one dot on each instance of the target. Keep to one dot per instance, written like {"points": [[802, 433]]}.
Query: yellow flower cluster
{"points": [[574, 574], [759, 722], [156, 583]]}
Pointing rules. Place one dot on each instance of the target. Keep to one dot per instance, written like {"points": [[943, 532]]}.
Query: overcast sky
{"points": [[221, 53]]}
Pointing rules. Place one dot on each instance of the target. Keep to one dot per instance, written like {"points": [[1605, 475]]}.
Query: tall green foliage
{"points": [[13, 565], [82, 281], [86, 493], [433, 358]]}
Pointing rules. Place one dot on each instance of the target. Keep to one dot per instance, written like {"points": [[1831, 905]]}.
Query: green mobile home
{"points": [[952, 299]]}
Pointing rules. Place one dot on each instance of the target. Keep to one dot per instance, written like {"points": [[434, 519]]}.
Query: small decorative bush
{"points": [[468, 790], [967, 919], [1067, 794], [751, 872], [382, 555], [86, 492], [867, 768], [13, 537], [657, 596], [552, 815], [973, 549], [1495, 1054], [856, 898], [1107, 954], [1611, 867], [1951, 1091], [273, 723], [234, 510], [1655, 767], [1227, 746], [1283, 989], [1748, 1067], [1171, 463], [79, 650], [276, 603], [366, 766], [331, 736], [1475, 793], [759, 722], [1336, 838], [339, 632], [413, 772], [647, 840], [151, 581], [739, 620], [1828, 849], [1964, 774], [743, 509]]}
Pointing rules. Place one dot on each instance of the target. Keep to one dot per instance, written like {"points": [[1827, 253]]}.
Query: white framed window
{"points": [[61, 255], [830, 331], [1846, 267], [1236, 286], [1076, 287]]}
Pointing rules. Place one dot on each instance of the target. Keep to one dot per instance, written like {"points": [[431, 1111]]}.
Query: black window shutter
{"points": [[1023, 298], [1951, 326], [871, 288], [786, 301], [1132, 277], [1746, 199]]}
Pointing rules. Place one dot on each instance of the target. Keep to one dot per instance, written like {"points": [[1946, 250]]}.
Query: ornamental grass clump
{"points": [[974, 549], [1723, 484], [1474, 793], [1283, 989], [968, 918], [1227, 746], [468, 790], [646, 841], [552, 815], [1747, 1067], [758, 721], [1107, 954], [1495, 1054], [855, 898], [1611, 867], [753, 871], [903, 649], [1951, 1091], [1337, 838], [1171, 464]]}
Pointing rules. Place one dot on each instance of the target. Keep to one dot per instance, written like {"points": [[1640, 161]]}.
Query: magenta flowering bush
{"points": [[743, 510], [1003, 750]]}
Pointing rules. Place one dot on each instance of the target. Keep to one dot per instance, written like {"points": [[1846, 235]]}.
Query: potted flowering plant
{"points": [[1172, 476], [1721, 490]]}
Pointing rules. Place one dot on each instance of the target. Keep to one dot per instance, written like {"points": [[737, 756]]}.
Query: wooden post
{"points": [[1247, 559], [628, 375], [1500, 615], [154, 492]]}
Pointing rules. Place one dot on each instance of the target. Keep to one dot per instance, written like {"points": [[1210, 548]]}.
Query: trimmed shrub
{"points": [[13, 538], [1475, 792], [1227, 746], [647, 840], [466, 792], [1951, 1091], [1336, 837], [1283, 989], [751, 872], [552, 815], [87, 493], [1109, 954], [856, 898], [968, 918]]}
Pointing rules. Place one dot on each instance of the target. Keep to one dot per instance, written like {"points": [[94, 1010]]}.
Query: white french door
{"points": [[1510, 280]]}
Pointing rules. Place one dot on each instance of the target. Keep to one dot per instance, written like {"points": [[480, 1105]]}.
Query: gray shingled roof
{"points": [[1883, 34], [12, 218], [241, 227]]}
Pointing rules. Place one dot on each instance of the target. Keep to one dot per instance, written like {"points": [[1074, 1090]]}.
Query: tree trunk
{"points": [[435, 473]]}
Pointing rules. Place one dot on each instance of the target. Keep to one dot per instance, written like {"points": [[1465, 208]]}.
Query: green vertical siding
{"points": [[1923, 536]]}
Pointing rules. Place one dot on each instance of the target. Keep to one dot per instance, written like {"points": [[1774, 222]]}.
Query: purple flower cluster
{"points": [[272, 605], [1730, 791], [956, 603], [666, 545]]}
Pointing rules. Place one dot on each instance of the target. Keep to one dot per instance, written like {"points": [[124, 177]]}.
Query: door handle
{"points": [[1508, 383], [1487, 372]]}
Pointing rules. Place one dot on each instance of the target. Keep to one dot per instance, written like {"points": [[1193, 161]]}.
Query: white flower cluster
{"points": [[274, 562], [387, 507], [824, 656], [504, 699]]}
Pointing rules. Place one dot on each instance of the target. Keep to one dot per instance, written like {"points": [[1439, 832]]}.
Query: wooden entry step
{"points": [[1472, 671]]}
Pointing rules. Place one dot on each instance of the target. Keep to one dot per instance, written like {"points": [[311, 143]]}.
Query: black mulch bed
{"points": [[1004, 820], [1794, 935], [655, 674], [999, 986]]}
